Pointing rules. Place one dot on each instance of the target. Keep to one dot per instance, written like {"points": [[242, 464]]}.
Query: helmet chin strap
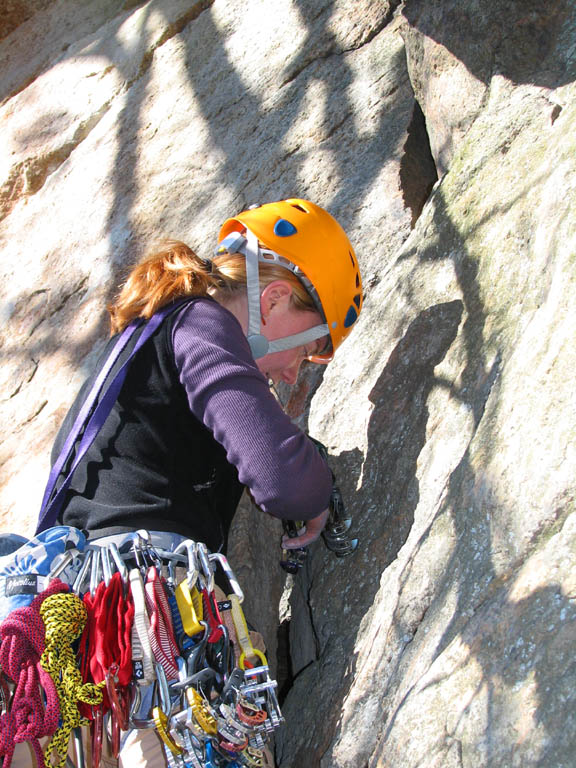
{"points": [[259, 344]]}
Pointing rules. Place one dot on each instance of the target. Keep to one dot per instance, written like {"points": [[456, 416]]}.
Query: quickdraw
{"points": [[105, 648], [161, 633], [142, 656]]}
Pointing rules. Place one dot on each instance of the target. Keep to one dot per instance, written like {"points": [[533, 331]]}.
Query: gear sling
{"points": [[134, 635]]}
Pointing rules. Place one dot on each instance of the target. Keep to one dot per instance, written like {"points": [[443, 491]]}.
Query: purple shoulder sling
{"points": [[92, 419]]}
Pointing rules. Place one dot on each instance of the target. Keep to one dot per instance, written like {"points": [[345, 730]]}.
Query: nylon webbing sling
{"points": [[92, 418]]}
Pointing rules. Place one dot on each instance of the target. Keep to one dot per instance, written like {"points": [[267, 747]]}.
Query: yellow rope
{"points": [[64, 617]]}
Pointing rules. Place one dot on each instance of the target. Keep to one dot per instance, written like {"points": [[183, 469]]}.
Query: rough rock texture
{"points": [[442, 135]]}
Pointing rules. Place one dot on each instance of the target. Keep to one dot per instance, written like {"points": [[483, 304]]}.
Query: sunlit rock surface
{"points": [[442, 136]]}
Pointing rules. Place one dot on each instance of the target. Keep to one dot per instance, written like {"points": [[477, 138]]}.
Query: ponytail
{"points": [[172, 272]]}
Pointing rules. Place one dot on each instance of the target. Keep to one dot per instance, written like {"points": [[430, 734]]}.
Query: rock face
{"points": [[442, 136]]}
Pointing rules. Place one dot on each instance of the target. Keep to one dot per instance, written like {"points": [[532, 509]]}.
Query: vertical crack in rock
{"points": [[418, 172], [285, 675]]}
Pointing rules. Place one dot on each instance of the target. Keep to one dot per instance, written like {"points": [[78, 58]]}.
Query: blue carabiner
{"points": [[209, 755]]}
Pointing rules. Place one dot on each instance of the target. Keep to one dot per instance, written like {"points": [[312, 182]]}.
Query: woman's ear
{"points": [[276, 294]]}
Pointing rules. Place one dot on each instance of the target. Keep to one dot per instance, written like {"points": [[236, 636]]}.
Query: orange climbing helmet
{"points": [[304, 238]]}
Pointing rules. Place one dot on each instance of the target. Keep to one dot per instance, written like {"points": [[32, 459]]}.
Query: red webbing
{"points": [[106, 641], [161, 633], [212, 616]]}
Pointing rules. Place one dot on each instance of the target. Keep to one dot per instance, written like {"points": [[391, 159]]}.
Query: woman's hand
{"points": [[312, 530]]}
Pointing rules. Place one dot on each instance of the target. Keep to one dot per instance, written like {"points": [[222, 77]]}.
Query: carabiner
{"points": [[162, 723], [76, 587], [78, 747], [207, 570], [106, 564], [140, 717], [192, 570], [96, 732], [65, 561], [141, 549], [94, 568], [119, 709], [121, 566], [229, 573]]}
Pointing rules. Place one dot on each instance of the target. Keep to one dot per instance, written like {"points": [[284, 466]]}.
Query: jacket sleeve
{"points": [[277, 462]]}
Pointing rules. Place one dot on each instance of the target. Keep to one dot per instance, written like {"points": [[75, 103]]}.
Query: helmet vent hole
{"points": [[351, 317], [352, 259], [299, 207], [357, 280]]}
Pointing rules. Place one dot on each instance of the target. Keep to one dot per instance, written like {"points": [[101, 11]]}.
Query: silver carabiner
{"points": [[207, 570], [66, 559], [94, 566], [142, 550], [144, 701], [192, 570], [106, 564], [121, 566], [79, 580], [163, 689], [229, 573]]}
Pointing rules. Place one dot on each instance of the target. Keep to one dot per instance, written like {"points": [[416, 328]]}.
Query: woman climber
{"points": [[195, 421]]}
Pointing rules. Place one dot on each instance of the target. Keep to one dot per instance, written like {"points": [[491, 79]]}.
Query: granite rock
{"points": [[441, 135]]}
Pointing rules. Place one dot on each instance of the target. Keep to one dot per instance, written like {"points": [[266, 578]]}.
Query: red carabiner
{"points": [[116, 697], [96, 732]]}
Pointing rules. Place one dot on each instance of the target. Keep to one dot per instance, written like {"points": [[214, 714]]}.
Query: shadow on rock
{"points": [[524, 40]]}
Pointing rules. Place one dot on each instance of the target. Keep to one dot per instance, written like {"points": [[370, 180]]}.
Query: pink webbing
{"points": [[22, 642]]}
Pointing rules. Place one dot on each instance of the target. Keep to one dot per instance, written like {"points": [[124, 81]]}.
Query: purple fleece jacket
{"points": [[277, 462]]}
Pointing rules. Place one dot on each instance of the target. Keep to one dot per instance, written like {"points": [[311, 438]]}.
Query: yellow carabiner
{"points": [[190, 606]]}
